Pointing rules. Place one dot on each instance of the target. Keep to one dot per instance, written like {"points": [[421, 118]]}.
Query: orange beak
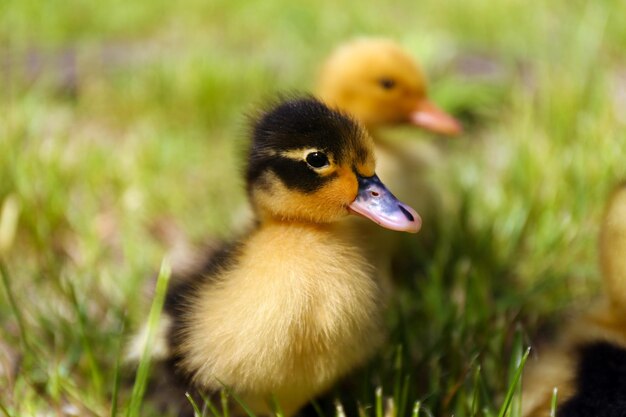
{"points": [[431, 117]]}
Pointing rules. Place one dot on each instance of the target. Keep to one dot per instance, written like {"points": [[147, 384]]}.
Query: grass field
{"points": [[121, 132]]}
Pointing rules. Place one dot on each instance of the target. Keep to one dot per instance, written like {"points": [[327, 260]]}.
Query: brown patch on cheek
{"points": [[330, 202], [324, 205], [342, 190]]}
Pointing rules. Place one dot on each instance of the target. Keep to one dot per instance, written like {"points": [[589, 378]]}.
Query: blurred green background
{"points": [[121, 130]]}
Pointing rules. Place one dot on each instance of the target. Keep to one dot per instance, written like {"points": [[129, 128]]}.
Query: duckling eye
{"points": [[387, 83], [317, 159]]}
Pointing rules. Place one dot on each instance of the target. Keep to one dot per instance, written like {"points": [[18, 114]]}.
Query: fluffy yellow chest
{"points": [[299, 309]]}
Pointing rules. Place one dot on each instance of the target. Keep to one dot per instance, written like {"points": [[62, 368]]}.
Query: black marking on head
{"points": [[298, 175], [600, 383], [302, 123]]}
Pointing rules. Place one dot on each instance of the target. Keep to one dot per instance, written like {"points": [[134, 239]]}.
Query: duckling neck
{"points": [[272, 223]]}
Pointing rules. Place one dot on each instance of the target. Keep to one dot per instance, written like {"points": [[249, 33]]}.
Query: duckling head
{"points": [[308, 163], [377, 82]]}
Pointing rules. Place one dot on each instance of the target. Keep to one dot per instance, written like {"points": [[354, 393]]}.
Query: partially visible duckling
{"points": [[293, 305], [381, 85], [588, 364]]}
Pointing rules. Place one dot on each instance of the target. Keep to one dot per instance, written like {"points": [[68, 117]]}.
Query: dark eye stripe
{"points": [[297, 175]]}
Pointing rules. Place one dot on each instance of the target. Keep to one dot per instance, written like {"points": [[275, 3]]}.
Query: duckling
{"points": [[588, 364], [381, 85], [288, 308]]}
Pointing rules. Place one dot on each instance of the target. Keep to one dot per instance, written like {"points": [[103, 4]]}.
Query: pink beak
{"points": [[375, 202], [431, 117]]}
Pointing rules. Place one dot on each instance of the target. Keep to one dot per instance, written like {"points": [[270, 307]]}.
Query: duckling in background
{"points": [[381, 85], [588, 364], [293, 305]]}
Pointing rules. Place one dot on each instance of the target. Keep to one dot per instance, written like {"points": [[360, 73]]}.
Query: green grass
{"points": [[143, 369], [121, 125]]}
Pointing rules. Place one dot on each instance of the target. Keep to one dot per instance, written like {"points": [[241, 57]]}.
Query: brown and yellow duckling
{"points": [[293, 305], [588, 364]]}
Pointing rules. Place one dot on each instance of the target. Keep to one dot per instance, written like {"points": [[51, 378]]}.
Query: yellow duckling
{"points": [[293, 305], [380, 84], [588, 364]]}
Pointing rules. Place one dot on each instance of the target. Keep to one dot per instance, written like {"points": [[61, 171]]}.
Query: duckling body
{"points": [[588, 363], [288, 331], [294, 304]]}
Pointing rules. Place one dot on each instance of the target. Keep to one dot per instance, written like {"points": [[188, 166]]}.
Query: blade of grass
{"points": [[397, 385], [516, 355], [208, 403], [96, 373], [9, 217], [73, 392], [224, 401], [6, 283], [143, 370], [4, 410], [416, 409], [196, 410], [485, 397], [379, 402], [276, 407], [225, 393], [339, 411], [553, 403], [513, 385], [476, 393], [117, 375], [318, 409], [404, 396]]}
